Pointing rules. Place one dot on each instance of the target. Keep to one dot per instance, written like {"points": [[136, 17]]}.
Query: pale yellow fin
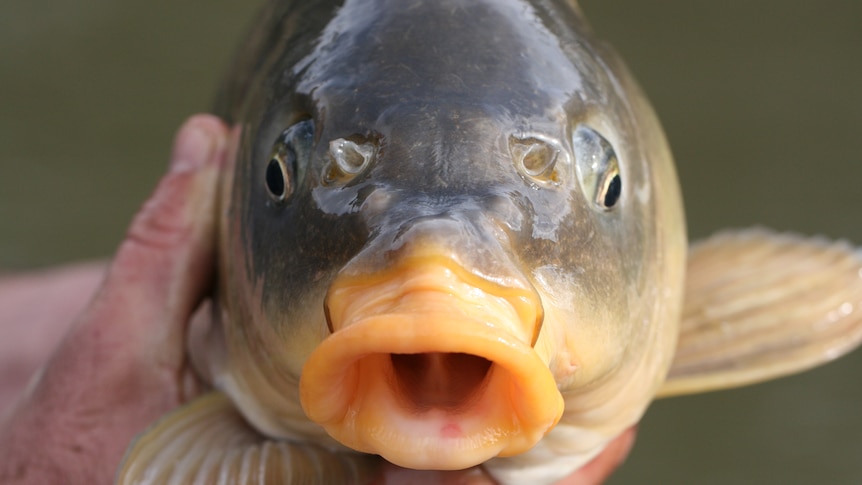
{"points": [[760, 305], [208, 442]]}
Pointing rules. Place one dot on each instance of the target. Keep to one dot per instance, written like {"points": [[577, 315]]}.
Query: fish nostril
{"points": [[439, 380], [349, 157]]}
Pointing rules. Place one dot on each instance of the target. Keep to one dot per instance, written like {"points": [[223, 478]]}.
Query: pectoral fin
{"points": [[208, 442], [760, 305]]}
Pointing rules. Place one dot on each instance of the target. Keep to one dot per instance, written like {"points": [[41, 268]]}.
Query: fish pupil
{"points": [[612, 195], [275, 179]]}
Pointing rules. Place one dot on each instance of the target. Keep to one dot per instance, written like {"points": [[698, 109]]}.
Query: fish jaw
{"points": [[431, 369]]}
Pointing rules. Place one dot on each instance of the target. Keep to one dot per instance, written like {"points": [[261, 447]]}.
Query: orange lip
{"points": [[431, 367]]}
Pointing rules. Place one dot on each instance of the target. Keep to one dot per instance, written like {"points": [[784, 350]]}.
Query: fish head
{"points": [[445, 234]]}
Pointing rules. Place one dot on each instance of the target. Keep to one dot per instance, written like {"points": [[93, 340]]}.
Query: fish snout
{"points": [[430, 365]]}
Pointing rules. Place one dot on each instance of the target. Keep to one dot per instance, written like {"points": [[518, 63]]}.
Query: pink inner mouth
{"points": [[442, 380]]}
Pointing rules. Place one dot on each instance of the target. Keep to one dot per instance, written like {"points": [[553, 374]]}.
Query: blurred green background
{"points": [[761, 100]]}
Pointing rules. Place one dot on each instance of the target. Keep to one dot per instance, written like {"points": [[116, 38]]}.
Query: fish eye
{"points": [[349, 157], [535, 158], [597, 167], [277, 177], [283, 169]]}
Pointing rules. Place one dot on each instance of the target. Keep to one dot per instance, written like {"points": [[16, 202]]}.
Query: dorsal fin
{"points": [[760, 305]]}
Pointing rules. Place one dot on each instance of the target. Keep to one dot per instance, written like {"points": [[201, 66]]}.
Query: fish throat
{"points": [[449, 381]]}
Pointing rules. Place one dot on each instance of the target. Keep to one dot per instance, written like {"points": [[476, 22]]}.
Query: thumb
{"points": [[130, 338], [164, 267]]}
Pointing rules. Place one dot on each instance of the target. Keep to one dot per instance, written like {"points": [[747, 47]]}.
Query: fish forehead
{"points": [[451, 77], [445, 83], [379, 62]]}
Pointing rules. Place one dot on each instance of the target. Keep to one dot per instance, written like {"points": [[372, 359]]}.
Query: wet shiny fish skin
{"points": [[443, 90]]}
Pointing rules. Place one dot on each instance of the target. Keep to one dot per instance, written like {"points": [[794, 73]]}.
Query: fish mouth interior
{"points": [[430, 369], [443, 380]]}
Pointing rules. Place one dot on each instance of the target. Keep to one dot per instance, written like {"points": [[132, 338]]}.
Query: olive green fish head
{"points": [[452, 226]]}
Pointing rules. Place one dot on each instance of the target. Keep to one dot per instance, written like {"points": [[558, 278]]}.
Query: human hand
{"points": [[122, 364]]}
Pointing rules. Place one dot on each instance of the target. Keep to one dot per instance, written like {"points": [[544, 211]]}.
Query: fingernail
{"points": [[193, 147]]}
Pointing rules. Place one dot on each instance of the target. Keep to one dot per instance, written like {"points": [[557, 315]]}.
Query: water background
{"points": [[761, 100]]}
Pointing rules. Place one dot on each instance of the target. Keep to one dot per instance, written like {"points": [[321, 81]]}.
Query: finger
{"points": [[601, 467], [130, 338], [168, 254]]}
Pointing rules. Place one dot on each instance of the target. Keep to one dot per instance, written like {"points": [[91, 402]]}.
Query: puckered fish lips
{"points": [[431, 366]]}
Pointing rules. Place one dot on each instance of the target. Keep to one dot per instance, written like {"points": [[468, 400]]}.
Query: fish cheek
{"points": [[297, 254], [577, 260], [596, 308]]}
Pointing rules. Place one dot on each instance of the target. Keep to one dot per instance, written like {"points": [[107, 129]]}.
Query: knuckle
{"points": [[163, 222]]}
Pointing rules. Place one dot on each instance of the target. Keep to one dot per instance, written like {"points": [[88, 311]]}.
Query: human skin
{"points": [[122, 362]]}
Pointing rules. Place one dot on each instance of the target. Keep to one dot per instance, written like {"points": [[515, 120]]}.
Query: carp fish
{"points": [[453, 236]]}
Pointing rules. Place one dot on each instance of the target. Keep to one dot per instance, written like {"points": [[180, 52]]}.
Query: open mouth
{"points": [[431, 368], [439, 380]]}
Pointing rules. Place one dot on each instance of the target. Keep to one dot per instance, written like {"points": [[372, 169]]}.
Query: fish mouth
{"points": [[431, 367]]}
